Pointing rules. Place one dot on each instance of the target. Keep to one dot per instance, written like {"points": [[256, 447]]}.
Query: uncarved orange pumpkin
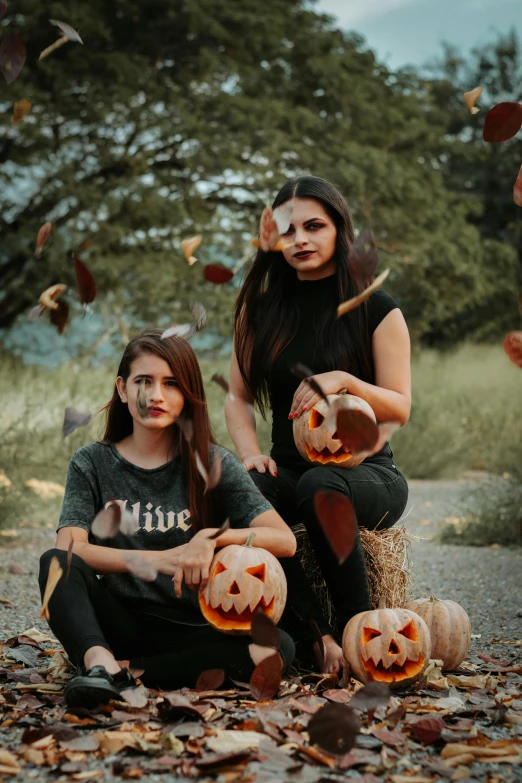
{"points": [[315, 433], [387, 645], [450, 629], [243, 579]]}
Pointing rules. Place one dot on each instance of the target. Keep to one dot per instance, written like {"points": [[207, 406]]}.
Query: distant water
{"points": [[38, 342]]}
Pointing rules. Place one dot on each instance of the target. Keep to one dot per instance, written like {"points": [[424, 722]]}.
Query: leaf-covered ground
{"points": [[466, 725]]}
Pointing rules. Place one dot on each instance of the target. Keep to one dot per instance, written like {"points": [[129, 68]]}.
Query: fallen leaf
{"points": [[363, 257], [10, 762], [428, 730], [12, 55], [48, 297], [371, 696], [464, 681], [73, 419], [471, 98], [24, 654], [211, 760], [339, 695], [512, 346], [389, 737], [16, 568], [20, 110], [355, 301], [502, 122], [263, 631], [136, 697], [140, 567], [230, 741], [188, 246], [217, 274], [337, 519], [55, 573], [266, 678], [210, 680], [60, 315], [85, 281], [334, 728], [84, 742]]}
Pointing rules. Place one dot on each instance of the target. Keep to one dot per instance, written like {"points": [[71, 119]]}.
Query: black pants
{"points": [[83, 614], [376, 489]]}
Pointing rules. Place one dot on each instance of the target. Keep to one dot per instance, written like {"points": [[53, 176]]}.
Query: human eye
{"points": [[171, 383], [315, 226], [140, 381]]}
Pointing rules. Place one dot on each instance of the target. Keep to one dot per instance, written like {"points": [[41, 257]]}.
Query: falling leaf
{"points": [[224, 527], [334, 728], [199, 314], [337, 519], [201, 469], [47, 298], [69, 558], [356, 430], [112, 520], [282, 215], [60, 315], [42, 237], [136, 697], [55, 572], [517, 189], [363, 257], [186, 427], [16, 568], [218, 274], [502, 122], [268, 233], [20, 110], [187, 331], [373, 695], [188, 246], [12, 55], [35, 312], [214, 475], [210, 680], [351, 304], [266, 678], [140, 567], [471, 98], [142, 401], [84, 281], [263, 631], [3, 8], [73, 419], [178, 330], [306, 374], [512, 346], [67, 30], [221, 381]]}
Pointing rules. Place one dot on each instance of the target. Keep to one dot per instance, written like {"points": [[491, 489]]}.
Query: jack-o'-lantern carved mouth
{"points": [[243, 597], [325, 454], [234, 619], [392, 657]]}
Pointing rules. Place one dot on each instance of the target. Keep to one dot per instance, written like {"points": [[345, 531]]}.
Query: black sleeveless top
{"points": [[311, 298]]}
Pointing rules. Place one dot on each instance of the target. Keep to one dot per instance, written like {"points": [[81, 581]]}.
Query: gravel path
{"points": [[485, 580]]}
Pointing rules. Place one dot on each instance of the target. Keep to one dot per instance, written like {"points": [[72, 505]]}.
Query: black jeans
{"points": [[376, 489], [83, 614]]}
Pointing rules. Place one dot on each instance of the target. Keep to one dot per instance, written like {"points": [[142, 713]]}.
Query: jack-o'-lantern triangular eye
{"points": [[369, 634], [315, 420], [219, 568], [410, 632], [259, 571]]}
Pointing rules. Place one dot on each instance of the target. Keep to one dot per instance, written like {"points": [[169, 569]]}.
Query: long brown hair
{"points": [[185, 368], [266, 316]]}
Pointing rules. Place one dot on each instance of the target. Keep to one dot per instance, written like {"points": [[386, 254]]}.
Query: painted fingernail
{"points": [[305, 408], [289, 415]]}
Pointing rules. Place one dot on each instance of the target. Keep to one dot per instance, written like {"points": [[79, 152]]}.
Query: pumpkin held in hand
{"points": [[315, 433], [243, 579], [387, 645], [450, 629]]}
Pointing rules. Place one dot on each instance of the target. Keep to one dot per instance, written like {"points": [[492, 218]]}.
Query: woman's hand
{"points": [[260, 462], [193, 563], [305, 397]]}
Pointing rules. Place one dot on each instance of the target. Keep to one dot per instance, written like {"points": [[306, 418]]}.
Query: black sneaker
{"points": [[97, 686]]}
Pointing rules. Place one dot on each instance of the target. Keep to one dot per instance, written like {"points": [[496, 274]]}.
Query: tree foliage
{"points": [[184, 118]]}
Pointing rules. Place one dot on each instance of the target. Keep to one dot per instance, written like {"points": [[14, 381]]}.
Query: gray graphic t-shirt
{"points": [[159, 500]]}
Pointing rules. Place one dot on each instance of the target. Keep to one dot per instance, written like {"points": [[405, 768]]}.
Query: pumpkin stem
{"points": [[433, 597], [382, 603], [250, 540]]}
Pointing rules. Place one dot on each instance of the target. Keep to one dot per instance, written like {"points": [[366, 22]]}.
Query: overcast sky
{"points": [[406, 32]]}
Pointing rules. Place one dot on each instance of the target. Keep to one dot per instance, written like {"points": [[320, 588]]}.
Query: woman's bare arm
{"points": [[239, 413]]}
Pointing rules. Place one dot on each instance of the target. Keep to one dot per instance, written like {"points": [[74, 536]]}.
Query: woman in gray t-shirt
{"points": [[141, 532]]}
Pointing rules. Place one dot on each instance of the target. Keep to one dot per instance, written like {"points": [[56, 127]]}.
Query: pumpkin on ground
{"points": [[387, 645], [315, 433], [450, 629], [243, 579]]}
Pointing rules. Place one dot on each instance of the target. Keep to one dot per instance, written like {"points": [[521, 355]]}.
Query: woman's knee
{"points": [[61, 555], [318, 479]]}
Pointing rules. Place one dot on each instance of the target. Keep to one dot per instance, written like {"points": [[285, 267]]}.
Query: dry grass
{"points": [[387, 560]]}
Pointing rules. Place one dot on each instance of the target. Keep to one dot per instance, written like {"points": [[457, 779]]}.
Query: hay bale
{"points": [[387, 561]]}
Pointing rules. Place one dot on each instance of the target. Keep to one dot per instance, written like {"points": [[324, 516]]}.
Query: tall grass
{"points": [[466, 414]]}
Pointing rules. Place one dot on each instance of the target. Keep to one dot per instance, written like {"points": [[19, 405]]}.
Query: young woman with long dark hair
{"points": [[285, 314], [145, 464]]}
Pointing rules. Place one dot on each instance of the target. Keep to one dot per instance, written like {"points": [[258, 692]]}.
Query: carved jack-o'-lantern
{"points": [[243, 579], [315, 432], [387, 645]]}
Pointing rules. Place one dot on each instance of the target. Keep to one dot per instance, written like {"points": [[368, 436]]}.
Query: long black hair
{"points": [[266, 316]]}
